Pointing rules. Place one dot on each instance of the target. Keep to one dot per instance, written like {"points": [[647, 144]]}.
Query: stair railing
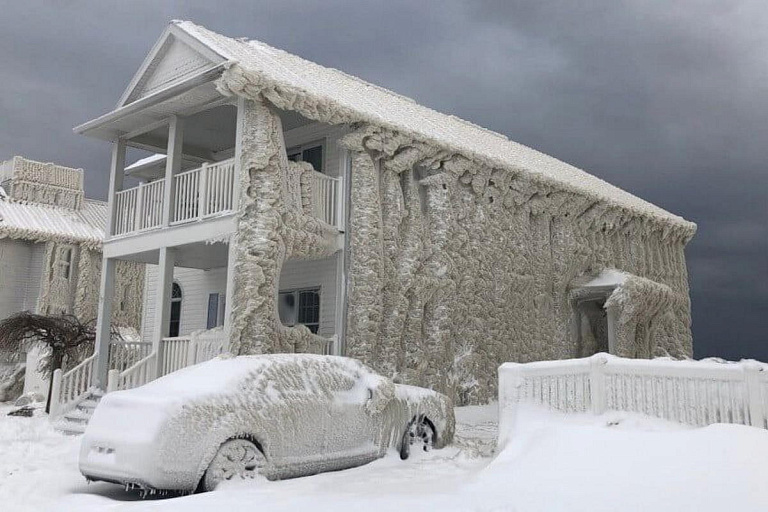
{"points": [[70, 387], [137, 375]]}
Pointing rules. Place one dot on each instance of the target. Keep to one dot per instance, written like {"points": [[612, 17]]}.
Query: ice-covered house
{"points": [[287, 193], [50, 250]]}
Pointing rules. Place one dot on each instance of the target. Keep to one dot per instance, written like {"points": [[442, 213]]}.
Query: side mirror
{"points": [[379, 395]]}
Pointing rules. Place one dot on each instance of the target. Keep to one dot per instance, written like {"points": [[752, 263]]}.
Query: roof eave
{"points": [[101, 127]]}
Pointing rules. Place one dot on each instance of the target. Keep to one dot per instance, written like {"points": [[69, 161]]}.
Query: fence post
{"points": [[192, 349], [112, 380], [55, 394], [510, 381], [597, 382], [757, 415]]}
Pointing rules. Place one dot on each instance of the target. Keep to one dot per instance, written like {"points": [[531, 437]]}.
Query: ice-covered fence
{"points": [[693, 392]]}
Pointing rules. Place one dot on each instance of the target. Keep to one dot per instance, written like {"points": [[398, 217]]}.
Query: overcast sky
{"points": [[666, 99]]}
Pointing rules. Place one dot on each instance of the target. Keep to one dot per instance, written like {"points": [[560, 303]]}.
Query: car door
{"points": [[298, 416], [354, 426]]}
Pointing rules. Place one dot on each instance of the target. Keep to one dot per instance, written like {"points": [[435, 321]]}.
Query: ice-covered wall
{"points": [[456, 267], [457, 263], [270, 231], [78, 294]]}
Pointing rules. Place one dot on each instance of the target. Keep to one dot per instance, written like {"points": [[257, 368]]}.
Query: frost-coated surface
{"points": [[456, 267], [553, 462], [308, 414], [269, 233], [465, 249]]}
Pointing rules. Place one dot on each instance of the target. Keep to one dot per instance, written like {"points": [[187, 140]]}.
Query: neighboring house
{"points": [[287, 193], [50, 249]]}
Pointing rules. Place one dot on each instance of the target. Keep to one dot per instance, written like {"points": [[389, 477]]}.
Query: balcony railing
{"points": [[206, 192], [200, 193]]}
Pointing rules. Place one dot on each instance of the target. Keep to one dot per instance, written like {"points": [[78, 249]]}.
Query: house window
{"points": [[65, 262], [312, 153], [300, 307], [213, 311], [175, 321]]}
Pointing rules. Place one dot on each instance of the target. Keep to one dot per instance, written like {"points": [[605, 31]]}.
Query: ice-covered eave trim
{"points": [[40, 236], [236, 80]]}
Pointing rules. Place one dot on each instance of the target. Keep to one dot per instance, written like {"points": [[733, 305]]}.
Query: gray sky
{"points": [[667, 99]]}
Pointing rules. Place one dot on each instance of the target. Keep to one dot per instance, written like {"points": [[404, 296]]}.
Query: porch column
{"points": [[163, 303], [172, 165], [116, 175], [103, 327], [229, 292]]}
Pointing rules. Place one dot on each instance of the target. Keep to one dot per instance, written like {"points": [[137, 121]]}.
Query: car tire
{"points": [[420, 432], [236, 459]]}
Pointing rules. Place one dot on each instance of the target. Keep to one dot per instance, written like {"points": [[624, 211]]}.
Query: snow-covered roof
{"points": [[41, 223], [356, 100]]}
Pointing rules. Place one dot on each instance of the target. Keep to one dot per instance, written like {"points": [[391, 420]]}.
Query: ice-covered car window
{"points": [[295, 379]]}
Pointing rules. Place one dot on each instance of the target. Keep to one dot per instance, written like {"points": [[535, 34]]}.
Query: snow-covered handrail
{"points": [[137, 375], [124, 354], [692, 392], [71, 386]]}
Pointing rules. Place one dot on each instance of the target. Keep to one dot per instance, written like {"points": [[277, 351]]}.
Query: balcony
{"points": [[206, 192]]}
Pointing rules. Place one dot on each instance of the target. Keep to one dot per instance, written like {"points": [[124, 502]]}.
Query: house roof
{"points": [[362, 101], [43, 223]]}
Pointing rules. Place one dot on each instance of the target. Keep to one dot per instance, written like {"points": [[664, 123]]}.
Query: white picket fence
{"points": [[693, 392]]}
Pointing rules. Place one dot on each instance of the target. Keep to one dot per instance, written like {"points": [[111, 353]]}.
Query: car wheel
{"points": [[236, 459], [419, 435]]}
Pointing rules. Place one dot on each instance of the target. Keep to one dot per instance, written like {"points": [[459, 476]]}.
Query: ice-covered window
{"points": [[312, 153], [64, 262], [300, 307]]}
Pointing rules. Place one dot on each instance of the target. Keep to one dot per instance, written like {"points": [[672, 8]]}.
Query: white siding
{"points": [[15, 258], [196, 285]]}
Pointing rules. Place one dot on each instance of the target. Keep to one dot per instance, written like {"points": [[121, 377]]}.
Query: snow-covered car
{"points": [[280, 416]]}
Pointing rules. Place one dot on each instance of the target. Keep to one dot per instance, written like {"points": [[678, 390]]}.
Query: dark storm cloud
{"points": [[667, 99]]}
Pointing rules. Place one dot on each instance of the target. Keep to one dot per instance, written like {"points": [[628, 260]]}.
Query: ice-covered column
{"points": [[366, 263], [259, 245]]}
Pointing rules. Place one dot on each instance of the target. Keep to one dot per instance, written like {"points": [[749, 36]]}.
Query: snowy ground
{"points": [[551, 462]]}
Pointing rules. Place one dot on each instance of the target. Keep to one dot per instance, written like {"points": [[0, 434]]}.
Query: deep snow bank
{"points": [[625, 461]]}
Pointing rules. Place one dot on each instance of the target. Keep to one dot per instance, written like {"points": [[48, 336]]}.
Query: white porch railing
{"points": [[183, 351], [137, 375], [139, 208], [326, 198], [203, 192], [124, 354], [69, 387], [692, 392]]}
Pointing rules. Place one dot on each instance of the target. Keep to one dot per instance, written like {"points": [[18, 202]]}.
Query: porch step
{"points": [[74, 421]]}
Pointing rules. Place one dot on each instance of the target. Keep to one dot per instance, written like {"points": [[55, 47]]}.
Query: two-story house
{"points": [[428, 247]]}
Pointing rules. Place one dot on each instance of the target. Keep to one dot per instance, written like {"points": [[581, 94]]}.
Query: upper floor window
{"points": [[312, 153]]}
